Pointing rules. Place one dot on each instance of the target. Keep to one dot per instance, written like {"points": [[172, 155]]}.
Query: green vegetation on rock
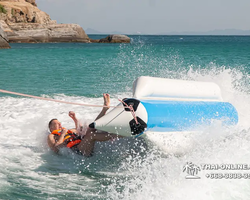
{"points": [[2, 9]]}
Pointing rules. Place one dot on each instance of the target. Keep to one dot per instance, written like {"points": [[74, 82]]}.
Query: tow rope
{"points": [[131, 110], [54, 100]]}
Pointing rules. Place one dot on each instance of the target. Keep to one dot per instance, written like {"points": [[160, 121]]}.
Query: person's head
{"points": [[54, 124]]}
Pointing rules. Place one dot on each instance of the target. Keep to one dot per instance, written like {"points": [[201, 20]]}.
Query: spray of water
{"points": [[149, 168], [159, 175]]}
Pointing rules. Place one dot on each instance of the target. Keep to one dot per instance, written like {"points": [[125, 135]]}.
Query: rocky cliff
{"points": [[3, 39], [22, 21]]}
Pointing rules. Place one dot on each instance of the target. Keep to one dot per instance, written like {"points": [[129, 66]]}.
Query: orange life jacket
{"points": [[70, 138]]}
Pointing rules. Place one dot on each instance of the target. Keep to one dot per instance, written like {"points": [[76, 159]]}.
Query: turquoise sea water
{"points": [[90, 69], [125, 169]]}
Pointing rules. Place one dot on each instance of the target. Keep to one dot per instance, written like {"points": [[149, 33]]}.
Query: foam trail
{"points": [[126, 169], [160, 174], [26, 158]]}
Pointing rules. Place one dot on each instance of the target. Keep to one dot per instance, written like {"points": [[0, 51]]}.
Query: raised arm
{"points": [[78, 126]]}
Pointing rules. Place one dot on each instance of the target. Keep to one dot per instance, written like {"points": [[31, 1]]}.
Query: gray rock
{"points": [[3, 39], [25, 23], [3, 43], [115, 39], [52, 32]]}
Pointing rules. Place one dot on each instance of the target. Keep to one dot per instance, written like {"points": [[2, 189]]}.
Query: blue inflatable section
{"points": [[186, 115]]}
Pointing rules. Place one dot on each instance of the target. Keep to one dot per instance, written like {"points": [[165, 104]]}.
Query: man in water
{"points": [[62, 137]]}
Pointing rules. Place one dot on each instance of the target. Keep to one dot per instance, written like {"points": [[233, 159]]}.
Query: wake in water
{"points": [[128, 168], [160, 174]]}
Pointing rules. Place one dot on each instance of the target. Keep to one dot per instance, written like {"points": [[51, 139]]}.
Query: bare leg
{"points": [[92, 135], [106, 99]]}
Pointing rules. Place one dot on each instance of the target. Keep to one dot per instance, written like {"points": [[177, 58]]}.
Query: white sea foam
{"points": [[25, 158], [160, 175], [136, 171]]}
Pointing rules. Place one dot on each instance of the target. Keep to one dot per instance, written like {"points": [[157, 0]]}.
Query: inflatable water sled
{"points": [[167, 105]]}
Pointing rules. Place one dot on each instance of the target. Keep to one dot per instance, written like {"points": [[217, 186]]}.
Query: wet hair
{"points": [[50, 122]]}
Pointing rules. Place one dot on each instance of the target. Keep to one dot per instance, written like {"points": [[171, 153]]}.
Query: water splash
{"points": [[161, 175]]}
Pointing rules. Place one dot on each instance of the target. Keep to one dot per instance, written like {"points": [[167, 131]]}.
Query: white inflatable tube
{"points": [[152, 88], [159, 108]]}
